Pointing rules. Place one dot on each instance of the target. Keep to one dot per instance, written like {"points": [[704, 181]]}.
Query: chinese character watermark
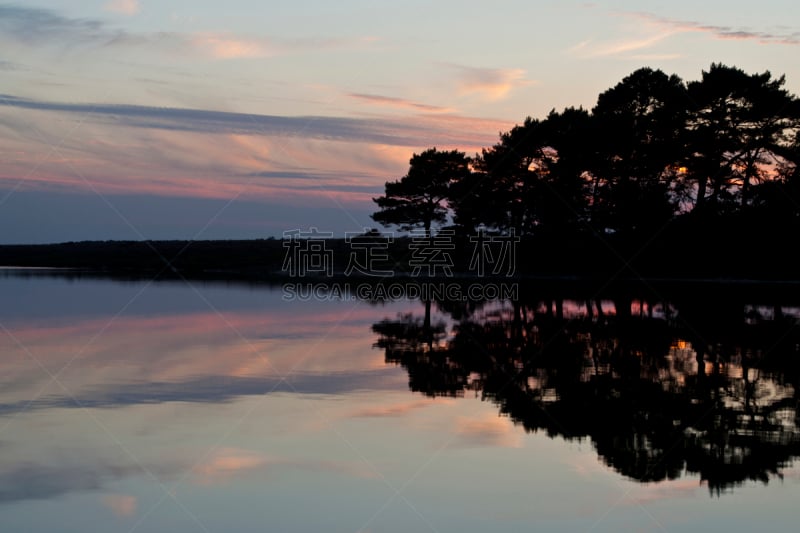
{"points": [[314, 252], [432, 253], [495, 251], [367, 251], [307, 253]]}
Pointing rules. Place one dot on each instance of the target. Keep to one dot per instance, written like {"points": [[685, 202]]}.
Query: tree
{"points": [[741, 129], [640, 146], [501, 194], [778, 199], [420, 197], [564, 184], [532, 180]]}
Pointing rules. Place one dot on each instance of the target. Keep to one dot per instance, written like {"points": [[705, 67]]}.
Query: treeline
{"points": [[658, 162], [243, 258]]}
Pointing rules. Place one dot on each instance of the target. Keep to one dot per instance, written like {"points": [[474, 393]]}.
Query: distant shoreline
{"points": [[537, 260], [259, 263]]}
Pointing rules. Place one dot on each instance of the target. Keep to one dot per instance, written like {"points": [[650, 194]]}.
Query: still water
{"points": [[211, 407]]}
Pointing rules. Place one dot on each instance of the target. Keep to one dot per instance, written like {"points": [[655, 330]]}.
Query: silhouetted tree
{"points": [[507, 180], [532, 181], [639, 124], [564, 190], [779, 199], [709, 168], [739, 127], [420, 197]]}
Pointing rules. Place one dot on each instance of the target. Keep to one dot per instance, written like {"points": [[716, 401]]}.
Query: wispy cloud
{"points": [[37, 26], [10, 65], [124, 7], [655, 57], [589, 49], [718, 31], [205, 153], [31, 25], [489, 83], [201, 153], [391, 101], [381, 130], [228, 46], [652, 29]]}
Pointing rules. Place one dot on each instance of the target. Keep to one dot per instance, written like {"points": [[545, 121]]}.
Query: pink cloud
{"points": [[226, 47], [189, 156], [122, 505], [123, 7], [489, 83]]}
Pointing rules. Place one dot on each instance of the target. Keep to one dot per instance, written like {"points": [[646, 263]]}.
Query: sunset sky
{"points": [[137, 119]]}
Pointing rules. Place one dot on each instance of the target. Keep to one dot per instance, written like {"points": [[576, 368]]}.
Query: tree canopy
{"points": [[654, 149]]}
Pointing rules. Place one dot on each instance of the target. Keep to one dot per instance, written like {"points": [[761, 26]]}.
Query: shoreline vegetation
{"points": [[737, 261]]}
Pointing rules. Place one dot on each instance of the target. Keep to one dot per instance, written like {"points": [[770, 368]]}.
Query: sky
{"points": [[138, 119]]}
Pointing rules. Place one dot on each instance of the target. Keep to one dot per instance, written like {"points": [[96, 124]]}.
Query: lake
{"points": [[189, 406]]}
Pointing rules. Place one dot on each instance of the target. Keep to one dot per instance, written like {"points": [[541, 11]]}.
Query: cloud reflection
{"points": [[490, 430], [31, 481], [229, 463]]}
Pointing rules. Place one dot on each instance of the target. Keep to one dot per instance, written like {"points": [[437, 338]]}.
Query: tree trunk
{"points": [[426, 325], [599, 304], [702, 185]]}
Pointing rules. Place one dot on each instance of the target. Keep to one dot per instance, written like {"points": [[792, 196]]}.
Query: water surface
{"points": [[196, 407]]}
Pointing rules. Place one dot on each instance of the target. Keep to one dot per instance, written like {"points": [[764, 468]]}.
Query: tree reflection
{"points": [[705, 386]]}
